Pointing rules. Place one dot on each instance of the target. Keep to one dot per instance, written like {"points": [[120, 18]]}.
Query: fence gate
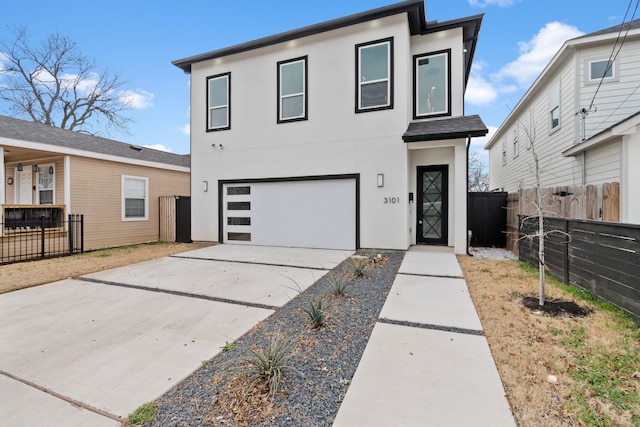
{"points": [[487, 218], [175, 219]]}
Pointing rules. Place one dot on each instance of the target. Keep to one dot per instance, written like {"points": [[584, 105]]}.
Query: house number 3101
{"points": [[391, 200]]}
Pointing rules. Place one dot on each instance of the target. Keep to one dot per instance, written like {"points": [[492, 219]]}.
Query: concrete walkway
{"points": [[427, 362]]}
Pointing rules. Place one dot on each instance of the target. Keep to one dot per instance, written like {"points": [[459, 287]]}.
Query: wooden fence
{"points": [[602, 257], [593, 202]]}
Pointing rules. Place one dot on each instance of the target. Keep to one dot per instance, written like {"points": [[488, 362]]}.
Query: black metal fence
{"points": [[602, 257], [48, 236]]}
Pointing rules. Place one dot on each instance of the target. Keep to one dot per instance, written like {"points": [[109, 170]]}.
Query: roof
{"points": [[445, 128], [415, 10], [23, 130], [623, 127], [631, 25]]}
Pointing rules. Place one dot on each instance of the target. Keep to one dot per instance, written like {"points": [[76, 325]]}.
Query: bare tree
{"points": [[54, 84], [478, 176]]}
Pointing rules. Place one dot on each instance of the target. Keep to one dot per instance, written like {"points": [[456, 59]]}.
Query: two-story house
{"points": [[582, 115], [345, 134]]}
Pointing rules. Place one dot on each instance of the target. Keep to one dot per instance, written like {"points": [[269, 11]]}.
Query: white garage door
{"points": [[306, 214]]}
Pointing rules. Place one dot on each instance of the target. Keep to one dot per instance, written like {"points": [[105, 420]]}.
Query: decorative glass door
{"points": [[432, 209]]}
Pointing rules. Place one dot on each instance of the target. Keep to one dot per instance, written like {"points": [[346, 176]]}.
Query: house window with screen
{"points": [[516, 147], [135, 198], [292, 90], [219, 102], [374, 73], [431, 91], [601, 70], [554, 106], [504, 151], [46, 185]]}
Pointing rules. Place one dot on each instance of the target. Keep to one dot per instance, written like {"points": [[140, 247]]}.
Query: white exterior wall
{"points": [[334, 140], [629, 200], [603, 163]]}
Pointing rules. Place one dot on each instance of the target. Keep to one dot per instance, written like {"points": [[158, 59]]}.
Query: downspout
{"points": [[467, 213]]}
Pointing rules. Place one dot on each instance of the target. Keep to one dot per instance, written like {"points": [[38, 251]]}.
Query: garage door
{"points": [[307, 214]]}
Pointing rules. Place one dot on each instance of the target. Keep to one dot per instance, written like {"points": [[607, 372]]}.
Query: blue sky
{"points": [[140, 39]]}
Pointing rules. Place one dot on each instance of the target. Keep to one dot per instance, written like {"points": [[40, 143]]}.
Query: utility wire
{"points": [[613, 57]]}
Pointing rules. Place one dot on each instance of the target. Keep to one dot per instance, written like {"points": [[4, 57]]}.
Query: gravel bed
{"points": [[326, 359], [492, 253]]}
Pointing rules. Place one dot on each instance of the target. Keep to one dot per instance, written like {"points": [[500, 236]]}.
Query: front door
{"points": [[432, 204]]}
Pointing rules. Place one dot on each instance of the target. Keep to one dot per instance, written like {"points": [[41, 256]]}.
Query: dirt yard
{"points": [[573, 363], [33, 273]]}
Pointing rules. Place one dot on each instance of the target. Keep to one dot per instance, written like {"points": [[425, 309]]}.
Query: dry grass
{"points": [[33, 273], [594, 357]]}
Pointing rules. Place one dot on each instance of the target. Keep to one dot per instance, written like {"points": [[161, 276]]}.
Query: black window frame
{"points": [[418, 57], [208, 100], [358, 47], [305, 94]]}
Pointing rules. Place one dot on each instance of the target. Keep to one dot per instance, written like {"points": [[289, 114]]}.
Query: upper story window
{"points": [[516, 144], [135, 198], [554, 106], [219, 102], [601, 70], [374, 71], [432, 91], [292, 90]]}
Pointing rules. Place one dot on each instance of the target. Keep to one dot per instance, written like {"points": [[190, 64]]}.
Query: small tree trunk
{"points": [[540, 229]]}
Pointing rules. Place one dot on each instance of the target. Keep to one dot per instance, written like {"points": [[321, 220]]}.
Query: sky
{"points": [[140, 39]]}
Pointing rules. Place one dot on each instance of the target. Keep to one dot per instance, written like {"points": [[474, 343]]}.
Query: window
{"points": [[554, 106], [292, 90], [601, 70], [431, 91], [516, 148], [135, 198], [374, 73], [46, 185], [504, 151], [219, 102]]}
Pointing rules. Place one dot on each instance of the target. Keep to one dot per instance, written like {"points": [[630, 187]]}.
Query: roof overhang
{"points": [[445, 128], [626, 126]]}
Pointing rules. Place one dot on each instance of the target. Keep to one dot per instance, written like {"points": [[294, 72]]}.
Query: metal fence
{"points": [[39, 238]]}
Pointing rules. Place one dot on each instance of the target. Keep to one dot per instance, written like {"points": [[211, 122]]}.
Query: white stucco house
{"points": [[583, 115], [345, 134]]}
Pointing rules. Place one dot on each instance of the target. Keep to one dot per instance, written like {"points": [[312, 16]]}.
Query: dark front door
{"points": [[432, 204]]}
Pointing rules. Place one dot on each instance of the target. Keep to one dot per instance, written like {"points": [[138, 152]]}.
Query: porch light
{"points": [[50, 170], [35, 168], [19, 167], [380, 180]]}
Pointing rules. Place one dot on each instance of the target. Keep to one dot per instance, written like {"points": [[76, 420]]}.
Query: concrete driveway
{"points": [[89, 351]]}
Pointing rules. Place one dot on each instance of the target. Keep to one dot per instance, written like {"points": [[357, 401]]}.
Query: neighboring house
{"points": [[596, 76], [116, 186], [345, 134]]}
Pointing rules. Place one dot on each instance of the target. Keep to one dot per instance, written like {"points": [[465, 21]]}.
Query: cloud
{"points": [[479, 91], [536, 53], [159, 147], [484, 3], [186, 129], [479, 143], [138, 99]]}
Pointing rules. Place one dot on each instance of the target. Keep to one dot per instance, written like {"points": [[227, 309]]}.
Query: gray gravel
{"points": [[492, 253], [327, 358]]}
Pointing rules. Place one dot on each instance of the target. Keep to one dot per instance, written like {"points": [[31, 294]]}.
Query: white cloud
{"points": [[186, 129], [138, 99], [479, 143], [484, 3], [479, 91], [536, 53], [159, 147]]}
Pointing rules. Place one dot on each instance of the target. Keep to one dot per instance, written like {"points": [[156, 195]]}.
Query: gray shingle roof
{"points": [[445, 128], [631, 25], [36, 132]]}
